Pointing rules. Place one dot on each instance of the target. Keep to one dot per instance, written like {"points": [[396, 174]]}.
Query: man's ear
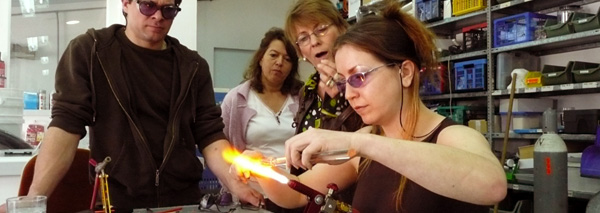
{"points": [[124, 5]]}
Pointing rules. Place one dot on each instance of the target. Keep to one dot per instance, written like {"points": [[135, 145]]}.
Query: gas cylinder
{"points": [[550, 169]]}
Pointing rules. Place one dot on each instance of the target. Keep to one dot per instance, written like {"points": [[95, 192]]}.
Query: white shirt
{"points": [[267, 131]]}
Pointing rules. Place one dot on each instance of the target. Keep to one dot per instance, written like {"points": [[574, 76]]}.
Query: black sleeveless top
{"points": [[377, 186]]}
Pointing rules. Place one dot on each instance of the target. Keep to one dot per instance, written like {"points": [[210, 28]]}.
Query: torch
{"points": [[318, 202]]}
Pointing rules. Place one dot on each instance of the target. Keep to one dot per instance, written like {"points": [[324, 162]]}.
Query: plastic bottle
{"points": [[550, 187]]}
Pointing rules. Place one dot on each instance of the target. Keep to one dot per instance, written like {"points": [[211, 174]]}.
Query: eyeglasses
{"points": [[148, 8], [357, 79], [304, 38]]}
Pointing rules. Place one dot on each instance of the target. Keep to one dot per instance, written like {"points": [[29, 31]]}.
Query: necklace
{"points": [[277, 117], [270, 108]]}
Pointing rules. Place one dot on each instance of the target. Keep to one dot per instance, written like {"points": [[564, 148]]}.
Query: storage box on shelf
{"points": [[581, 121], [527, 104], [526, 113], [585, 71], [429, 10], [519, 28], [533, 79], [31, 100], [462, 114], [586, 22], [522, 122], [475, 37], [461, 7], [553, 75], [435, 84], [553, 28], [470, 75]]}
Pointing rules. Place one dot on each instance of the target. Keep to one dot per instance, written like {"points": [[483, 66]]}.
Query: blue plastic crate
{"points": [[470, 75], [519, 28], [429, 10], [430, 88], [209, 182], [436, 84]]}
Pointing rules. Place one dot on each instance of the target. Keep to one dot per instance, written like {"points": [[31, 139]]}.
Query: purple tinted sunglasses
{"points": [[357, 79], [148, 8]]}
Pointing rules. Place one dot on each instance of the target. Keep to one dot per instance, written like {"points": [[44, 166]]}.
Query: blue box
{"points": [[470, 75], [519, 28], [429, 10], [30, 100]]}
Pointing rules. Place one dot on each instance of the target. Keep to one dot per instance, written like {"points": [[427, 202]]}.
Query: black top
{"points": [[377, 186], [149, 74], [93, 89]]}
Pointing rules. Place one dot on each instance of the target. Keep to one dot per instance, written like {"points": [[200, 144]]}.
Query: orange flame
{"points": [[253, 164]]}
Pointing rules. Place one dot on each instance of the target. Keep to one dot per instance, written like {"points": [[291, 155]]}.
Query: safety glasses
{"points": [[304, 38], [148, 8], [358, 79]]}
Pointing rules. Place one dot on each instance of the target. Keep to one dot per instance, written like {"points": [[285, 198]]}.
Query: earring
{"points": [[303, 58]]}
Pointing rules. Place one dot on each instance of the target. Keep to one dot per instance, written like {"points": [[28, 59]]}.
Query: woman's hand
{"points": [[300, 148], [329, 77]]}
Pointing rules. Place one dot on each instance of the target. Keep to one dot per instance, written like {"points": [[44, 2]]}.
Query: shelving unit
{"points": [[561, 44], [571, 193], [571, 137], [449, 27]]}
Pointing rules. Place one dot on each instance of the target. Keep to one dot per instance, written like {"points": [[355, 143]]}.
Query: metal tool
{"points": [[328, 157], [102, 182], [318, 202]]}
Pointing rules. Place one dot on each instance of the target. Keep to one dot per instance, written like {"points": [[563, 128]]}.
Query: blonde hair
{"points": [[312, 11]]}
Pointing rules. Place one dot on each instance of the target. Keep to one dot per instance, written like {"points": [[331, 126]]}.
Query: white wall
{"points": [[239, 24]]}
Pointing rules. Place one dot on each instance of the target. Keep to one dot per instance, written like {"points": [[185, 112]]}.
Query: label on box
{"points": [[530, 90], [515, 186], [567, 86], [547, 88], [505, 4], [589, 85]]}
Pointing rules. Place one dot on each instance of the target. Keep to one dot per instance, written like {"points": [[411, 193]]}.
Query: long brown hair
{"points": [[253, 73], [312, 11], [393, 36]]}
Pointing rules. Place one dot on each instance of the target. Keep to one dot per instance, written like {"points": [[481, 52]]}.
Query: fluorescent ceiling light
{"points": [[73, 22]]}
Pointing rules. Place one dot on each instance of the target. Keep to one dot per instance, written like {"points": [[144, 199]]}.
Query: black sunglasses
{"points": [[148, 8]]}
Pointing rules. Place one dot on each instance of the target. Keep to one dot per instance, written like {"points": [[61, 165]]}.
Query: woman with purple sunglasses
{"points": [[411, 159]]}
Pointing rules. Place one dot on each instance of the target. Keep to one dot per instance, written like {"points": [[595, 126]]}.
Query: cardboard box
{"points": [[479, 125], [526, 151]]}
